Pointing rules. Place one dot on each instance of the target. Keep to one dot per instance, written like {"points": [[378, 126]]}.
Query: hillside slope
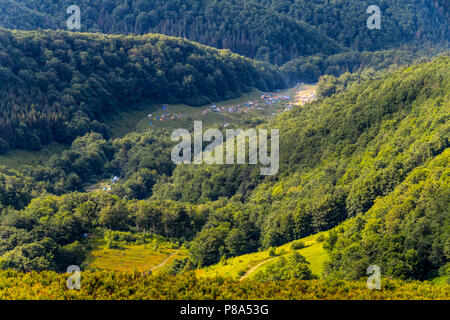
{"points": [[247, 266], [406, 233], [274, 31], [337, 156], [383, 138], [134, 286], [244, 27], [402, 22], [55, 86]]}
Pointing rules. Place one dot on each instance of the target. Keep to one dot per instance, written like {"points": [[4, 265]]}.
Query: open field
{"points": [[306, 94], [185, 115], [237, 267], [145, 257], [17, 158], [131, 257]]}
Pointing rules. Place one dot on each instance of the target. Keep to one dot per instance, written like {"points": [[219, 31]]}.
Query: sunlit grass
{"points": [[131, 257], [137, 120], [235, 267], [17, 158]]}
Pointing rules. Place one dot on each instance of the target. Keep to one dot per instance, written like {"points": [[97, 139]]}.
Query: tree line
{"points": [[345, 21], [244, 27]]}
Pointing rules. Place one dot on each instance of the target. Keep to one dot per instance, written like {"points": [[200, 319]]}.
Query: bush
{"points": [[298, 245], [242, 272], [177, 266], [294, 266], [272, 252], [320, 238], [223, 261], [4, 146], [71, 254]]}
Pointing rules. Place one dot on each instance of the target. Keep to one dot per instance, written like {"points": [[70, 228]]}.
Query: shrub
{"points": [[242, 272], [272, 252], [297, 245], [320, 238]]}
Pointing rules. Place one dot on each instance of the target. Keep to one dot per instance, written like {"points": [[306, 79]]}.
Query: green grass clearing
{"points": [[235, 267], [131, 257], [138, 120], [17, 158]]}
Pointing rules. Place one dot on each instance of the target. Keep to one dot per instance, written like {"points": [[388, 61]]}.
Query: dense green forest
{"points": [[345, 20], [407, 231], [271, 30], [337, 157], [364, 175], [244, 27], [313, 68], [56, 86], [341, 157], [139, 159]]}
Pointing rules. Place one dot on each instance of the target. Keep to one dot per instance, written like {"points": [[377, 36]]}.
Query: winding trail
{"points": [[255, 267], [164, 262]]}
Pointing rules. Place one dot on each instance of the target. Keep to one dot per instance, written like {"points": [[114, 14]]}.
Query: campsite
{"points": [[255, 105]]}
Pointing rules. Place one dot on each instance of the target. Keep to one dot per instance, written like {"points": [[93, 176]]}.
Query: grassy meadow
{"points": [[133, 257], [138, 120], [238, 267], [17, 158]]}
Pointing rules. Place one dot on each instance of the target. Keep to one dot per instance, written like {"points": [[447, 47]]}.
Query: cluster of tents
{"points": [[267, 99], [238, 108], [165, 116], [107, 187], [270, 99]]}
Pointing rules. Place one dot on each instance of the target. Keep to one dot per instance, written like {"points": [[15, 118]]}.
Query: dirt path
{"points": [[255, 267], [164, 262]]}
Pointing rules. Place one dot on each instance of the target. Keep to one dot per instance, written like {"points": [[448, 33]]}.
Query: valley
{"points": [[116, 182]]}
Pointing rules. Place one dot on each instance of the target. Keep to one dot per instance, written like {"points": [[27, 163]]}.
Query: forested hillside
{"points": [[406, 232], [313, 68], [364, 125], [56, 86], [140, 159], [244, 27], [377, 153], [337, 157], [345, 20], [269, 30]]}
